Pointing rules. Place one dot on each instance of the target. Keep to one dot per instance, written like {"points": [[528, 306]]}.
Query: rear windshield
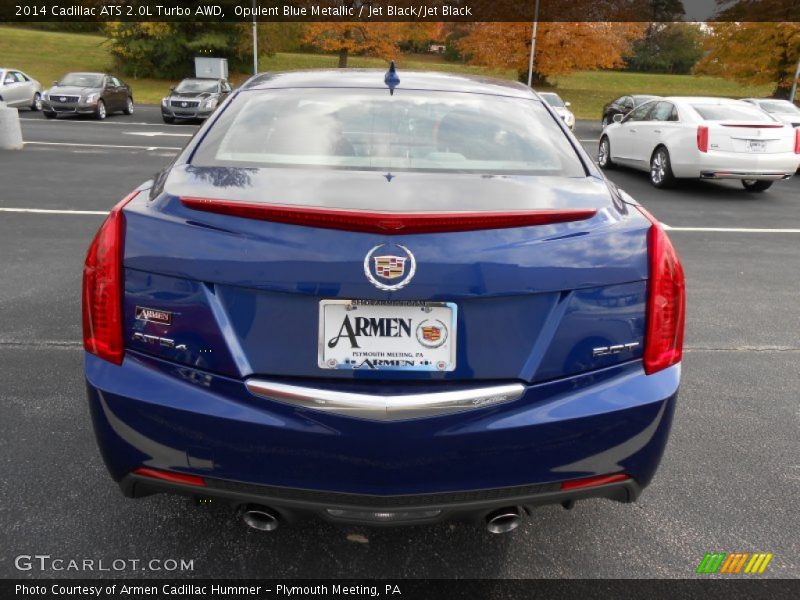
{"points": [[731, 112], [88, 80], [371, 129], [776, 106], [197, 85]]}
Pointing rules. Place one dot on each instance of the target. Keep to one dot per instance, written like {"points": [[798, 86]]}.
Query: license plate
{"points": [[756, 146], [387, 336]]}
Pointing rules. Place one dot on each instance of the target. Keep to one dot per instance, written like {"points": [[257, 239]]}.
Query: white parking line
{"points": [[52, 211], [102, 146], [118, 123], [589, 141], [733, 230], [157, 134]]}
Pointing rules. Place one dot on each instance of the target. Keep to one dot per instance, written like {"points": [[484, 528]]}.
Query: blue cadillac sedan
{"points": [[385, 299]]}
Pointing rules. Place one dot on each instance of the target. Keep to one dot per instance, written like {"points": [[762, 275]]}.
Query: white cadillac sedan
{"points": [[702, 138]]}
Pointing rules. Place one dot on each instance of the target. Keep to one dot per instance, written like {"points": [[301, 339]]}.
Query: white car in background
{"points": [[560, 107], [20, 90], [783, 110], [702, 138]]}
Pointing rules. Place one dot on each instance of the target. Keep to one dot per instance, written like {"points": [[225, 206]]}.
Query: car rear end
{"points": [[738, 141], [381, 345]]}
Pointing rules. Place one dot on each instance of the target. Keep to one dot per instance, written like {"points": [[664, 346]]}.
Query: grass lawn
{"points": [[48, 55], [590, 90]]}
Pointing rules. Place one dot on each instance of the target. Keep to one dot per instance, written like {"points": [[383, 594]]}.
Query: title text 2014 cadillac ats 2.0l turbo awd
{"points": [[375, 298]]}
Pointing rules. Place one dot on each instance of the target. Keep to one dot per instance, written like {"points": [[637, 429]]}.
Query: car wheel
{"points": [[606, 121], [129, 107], [661, 169], [168, 120], [604, 154], [100, 111], [755, 185], [49, 115], [37, 102]]}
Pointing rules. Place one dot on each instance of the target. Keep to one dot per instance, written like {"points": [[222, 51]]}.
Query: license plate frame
{"points": [[757, 146], [427, 337]]}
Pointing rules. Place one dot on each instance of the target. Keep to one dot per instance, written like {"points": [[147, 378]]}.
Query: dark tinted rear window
{"points": [[371, 129]]}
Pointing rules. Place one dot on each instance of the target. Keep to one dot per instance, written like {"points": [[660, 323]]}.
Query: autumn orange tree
{"points": [[560, 47], [754, 53], [373, 39]]}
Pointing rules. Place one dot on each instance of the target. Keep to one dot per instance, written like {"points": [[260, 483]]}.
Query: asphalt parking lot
{"points": [[729, 480]]}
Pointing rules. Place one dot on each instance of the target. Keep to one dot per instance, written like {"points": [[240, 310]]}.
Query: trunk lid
{"points": [[750, 137], [244, 296]]}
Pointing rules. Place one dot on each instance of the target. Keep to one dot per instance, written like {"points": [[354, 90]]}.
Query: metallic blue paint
{"points": [[154, 413], [533, 303]]}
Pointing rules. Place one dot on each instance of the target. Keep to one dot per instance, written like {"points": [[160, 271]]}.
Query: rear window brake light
{"points": [[387, 223]]}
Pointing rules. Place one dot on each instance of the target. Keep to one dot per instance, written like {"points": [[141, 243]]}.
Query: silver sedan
{"points": [[20, 90]]}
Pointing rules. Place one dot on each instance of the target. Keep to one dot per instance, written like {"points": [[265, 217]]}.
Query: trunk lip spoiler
{"points": [[376, 407], [386, 222]]}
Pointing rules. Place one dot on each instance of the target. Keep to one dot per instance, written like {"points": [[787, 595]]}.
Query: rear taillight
{"points": [[797, 140], [702, 138], [102, 288], [666, 302]]}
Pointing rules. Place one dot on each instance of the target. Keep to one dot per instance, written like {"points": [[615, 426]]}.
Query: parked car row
{"points": [[756, 141], [101, 94]]}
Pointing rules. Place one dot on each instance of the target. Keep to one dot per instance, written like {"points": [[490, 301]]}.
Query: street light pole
{"points": [[533, 43], [794, 82], [255, 40]]}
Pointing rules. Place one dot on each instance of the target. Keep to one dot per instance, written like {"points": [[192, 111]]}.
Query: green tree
{"points": [[668, 48], [150, 49]]}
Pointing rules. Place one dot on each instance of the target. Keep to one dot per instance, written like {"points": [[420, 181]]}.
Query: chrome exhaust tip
{"points": [[504, 520], [260, 518]]}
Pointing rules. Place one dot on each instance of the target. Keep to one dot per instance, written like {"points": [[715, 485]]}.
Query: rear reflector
{"points": [[576, 484], [702, 138], [386, 223], [102, 288], [666, 302], [170, 476]]}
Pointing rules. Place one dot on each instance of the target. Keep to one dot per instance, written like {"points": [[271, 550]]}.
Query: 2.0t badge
{"points": [[390, 267]]}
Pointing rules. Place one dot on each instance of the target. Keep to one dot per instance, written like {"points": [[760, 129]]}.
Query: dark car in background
{"points": [[97, 94], [622, 106], [194, 99]]}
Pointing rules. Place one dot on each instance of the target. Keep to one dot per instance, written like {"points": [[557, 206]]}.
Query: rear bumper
{"points": [[297, 504], [150, 413], [735, 165], [758, 175]]}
